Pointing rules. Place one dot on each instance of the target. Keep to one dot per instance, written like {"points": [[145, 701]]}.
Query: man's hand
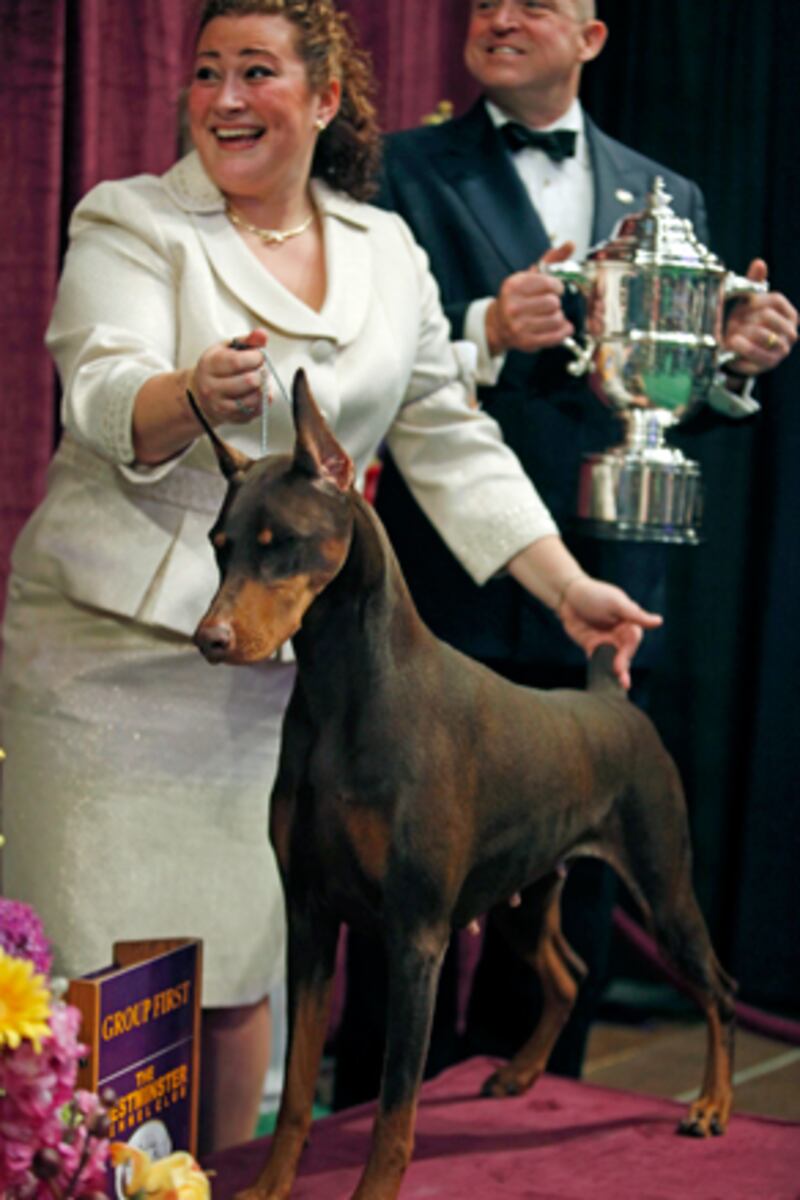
{"points": [[593, 612], [526, 313], [760, 329]]}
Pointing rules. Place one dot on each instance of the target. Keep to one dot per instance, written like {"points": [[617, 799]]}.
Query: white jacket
{"points": [[154, 275]]}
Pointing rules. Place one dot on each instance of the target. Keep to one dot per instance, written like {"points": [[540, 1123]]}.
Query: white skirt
{"points": [[136, 792]]}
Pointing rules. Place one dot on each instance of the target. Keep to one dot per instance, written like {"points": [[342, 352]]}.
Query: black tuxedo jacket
{"points": [[457, 187]]}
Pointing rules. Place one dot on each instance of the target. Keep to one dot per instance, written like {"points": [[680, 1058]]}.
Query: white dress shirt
{"points": [[561, 192]]}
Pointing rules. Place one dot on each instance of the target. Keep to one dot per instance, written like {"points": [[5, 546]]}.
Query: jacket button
{"points": [[322, 350]]}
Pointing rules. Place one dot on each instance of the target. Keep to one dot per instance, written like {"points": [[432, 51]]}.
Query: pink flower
{"points": [[41, 1112], [22, 935], [53, 1138]]}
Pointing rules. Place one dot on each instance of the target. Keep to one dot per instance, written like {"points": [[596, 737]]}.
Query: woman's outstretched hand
{"points": [[593, 612]]}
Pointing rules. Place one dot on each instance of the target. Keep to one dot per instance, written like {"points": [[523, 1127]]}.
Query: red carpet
{"points": [[563, 1141]]}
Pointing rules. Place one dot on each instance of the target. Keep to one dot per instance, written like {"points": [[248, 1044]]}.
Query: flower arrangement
{"points": [[53, 1138]]}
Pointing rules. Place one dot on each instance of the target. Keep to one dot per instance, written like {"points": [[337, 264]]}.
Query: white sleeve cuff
{"points": [[489, 366]]}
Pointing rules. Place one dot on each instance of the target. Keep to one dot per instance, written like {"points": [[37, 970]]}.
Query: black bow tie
{"points": [[558, 144]]}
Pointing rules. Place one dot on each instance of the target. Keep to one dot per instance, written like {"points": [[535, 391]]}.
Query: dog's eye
{"points": [[280, 556], [271, 540]]}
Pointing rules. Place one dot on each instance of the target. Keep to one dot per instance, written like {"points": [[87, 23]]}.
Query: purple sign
{"points": [[157, 1089], [143, 1036], [144, 1009]]}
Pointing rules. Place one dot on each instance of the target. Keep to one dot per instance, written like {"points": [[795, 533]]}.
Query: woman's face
{"points": [[252, 112]]}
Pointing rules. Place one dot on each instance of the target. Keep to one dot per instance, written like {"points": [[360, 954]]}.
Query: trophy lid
{"points": [[657, 236]]}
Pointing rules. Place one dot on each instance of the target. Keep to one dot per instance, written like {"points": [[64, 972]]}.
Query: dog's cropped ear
{"points": [[317, 452], [233, 464]]}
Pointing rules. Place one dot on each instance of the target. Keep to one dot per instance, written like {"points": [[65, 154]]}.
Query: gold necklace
{"points": [[270, 237]]}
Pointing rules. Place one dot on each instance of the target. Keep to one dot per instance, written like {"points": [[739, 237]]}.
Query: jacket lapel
{"points": [[620, 183], [347, 258], [476, 164], [349, 263]]}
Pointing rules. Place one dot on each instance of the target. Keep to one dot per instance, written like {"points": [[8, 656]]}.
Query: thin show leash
{"points": [[236, 344]]}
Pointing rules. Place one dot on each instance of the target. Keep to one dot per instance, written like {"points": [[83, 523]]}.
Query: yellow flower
{"points": [[176, 1177], [24, 1003]]}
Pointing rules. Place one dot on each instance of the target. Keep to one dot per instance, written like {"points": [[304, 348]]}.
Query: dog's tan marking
{"points": [[710, 1113], [334, 551], [265, 537], [392, 1147], [369, 835], [556, 966], [294, 1118], [265, 616], [220, 539]]}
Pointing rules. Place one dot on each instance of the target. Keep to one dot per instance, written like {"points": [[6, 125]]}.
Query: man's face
{"points": [[528, 45]]}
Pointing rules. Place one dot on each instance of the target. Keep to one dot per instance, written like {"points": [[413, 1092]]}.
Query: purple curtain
{"points": [[92, 92], [416, 50]]}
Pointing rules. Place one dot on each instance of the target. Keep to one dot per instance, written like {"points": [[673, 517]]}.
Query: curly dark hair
{"points": [[348, 150]]}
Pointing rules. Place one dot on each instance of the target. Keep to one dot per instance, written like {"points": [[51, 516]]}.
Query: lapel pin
{"points": [[624, 196]]}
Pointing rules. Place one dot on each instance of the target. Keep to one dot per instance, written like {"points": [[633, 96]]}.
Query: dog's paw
{"points": [[705, 1119], [494, 1086], [507, 1082]]}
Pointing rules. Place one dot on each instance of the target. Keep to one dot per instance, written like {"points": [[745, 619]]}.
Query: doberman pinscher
{"points": [[416, 789]]}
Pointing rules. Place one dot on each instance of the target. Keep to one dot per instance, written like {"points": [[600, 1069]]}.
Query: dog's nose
{"points": [[215, 640]]}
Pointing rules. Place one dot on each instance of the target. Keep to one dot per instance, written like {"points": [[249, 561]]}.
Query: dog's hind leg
{"points": [[534, 930], [682, 933], [655, 862], [312, 957], [414, 960]]}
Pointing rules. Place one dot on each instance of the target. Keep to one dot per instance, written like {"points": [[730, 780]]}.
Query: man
{"points": [[488, 207]]}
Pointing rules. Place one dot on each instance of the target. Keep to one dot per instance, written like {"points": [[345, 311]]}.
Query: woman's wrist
{"points": [[548, 570], [192, 388], [163, 421], [565, 587]]}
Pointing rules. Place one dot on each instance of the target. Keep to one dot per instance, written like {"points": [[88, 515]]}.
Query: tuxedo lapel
{"points": [[620, 183], [476, 164]]}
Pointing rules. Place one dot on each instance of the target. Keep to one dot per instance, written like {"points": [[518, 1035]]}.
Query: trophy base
{"points": [[641, 495]]}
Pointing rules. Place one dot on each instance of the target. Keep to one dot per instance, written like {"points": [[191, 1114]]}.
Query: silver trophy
{"points": [[652, 349]]}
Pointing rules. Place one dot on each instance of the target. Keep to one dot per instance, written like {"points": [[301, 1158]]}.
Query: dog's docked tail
{"points": [[601, 676]]}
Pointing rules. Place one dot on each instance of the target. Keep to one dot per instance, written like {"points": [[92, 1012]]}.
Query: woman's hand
{"points": [[590, 611], [593, 612], [227, 381]]}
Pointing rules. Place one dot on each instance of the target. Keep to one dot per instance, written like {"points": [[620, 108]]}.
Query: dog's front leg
{"points": [[414, 963], [312, 956]]}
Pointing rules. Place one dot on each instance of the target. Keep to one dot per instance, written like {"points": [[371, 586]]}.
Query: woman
{"points": [[138, 776]]}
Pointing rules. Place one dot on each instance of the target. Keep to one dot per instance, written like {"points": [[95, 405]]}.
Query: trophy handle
{"points": [[740, 285], [734, 287], [582, 360], [575, 277]]}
